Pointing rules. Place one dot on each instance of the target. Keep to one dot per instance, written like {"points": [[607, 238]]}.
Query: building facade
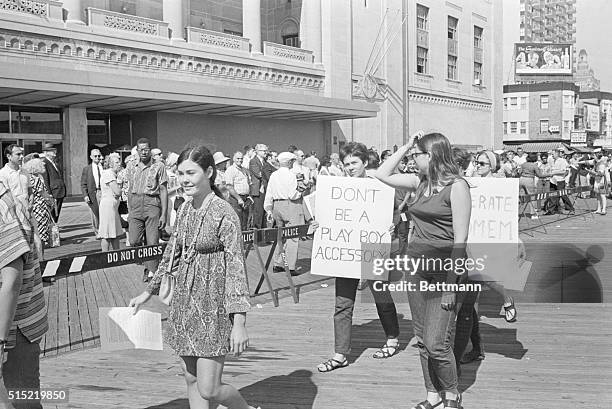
{"points": [[585, 76], [539, 113], [230, 73], [597, 114]]}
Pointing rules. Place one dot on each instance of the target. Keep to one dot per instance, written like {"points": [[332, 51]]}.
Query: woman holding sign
{"points": [[208, 308], [355, 157], [440, 211]]}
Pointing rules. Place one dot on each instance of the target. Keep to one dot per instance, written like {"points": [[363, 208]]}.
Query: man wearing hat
{"points": [[221, 162], [283, 203], [238, 181], [54, 179], [156, 155]]}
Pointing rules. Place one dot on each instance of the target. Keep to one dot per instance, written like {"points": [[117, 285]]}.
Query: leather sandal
{"points": [[453, 403], [332, 364], [510, 312], [426, 405], [386, 351]]}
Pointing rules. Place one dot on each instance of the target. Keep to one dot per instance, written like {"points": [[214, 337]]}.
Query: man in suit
{"points": [[260, 174], [90, 187], [54, 179]]}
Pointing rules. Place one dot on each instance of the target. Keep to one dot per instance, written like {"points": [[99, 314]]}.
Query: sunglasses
{"points": [[483, 164], [415, 155]]}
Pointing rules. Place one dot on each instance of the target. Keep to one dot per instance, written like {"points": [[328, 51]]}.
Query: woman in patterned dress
{"points": [[208, 309], [41, 200]]}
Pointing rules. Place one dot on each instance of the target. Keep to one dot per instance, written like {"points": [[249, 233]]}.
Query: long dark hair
{"points": [[443, 170], [202, 156]]}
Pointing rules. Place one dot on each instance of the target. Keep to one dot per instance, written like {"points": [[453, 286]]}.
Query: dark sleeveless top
{"points": [[433, 225]]}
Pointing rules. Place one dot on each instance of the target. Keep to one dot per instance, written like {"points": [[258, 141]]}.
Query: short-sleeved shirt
{"points": [[17, 181], [238, 178], [147, 179], [558, 164], [17, 240]]}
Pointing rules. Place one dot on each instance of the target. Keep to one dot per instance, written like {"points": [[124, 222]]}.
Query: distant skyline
{"points": [[594, 34]]}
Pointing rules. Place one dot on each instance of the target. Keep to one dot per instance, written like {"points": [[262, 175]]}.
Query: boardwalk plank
{"points": [[63, 328], [92, 296], [85, 318], [74, 324], [52, 310]]}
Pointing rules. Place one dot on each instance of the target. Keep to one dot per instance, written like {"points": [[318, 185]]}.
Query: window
{"points": [[422, 60], [523, 102], [567, 101], [452, 27], [452, 67], [478, 73], [543, 125], [477, 37], [567, 127], [292, 40], [513, 127], [513, 102], [505, 103], [234, 33], [422, 14], [523, 127], [543, 101], [505, 128]]}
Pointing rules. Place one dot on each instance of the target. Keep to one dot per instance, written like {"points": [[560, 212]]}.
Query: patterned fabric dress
{"points": [[211, 279], [41, 208]]}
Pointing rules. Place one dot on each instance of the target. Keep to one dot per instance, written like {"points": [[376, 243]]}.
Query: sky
{"points": [[593, 33]]}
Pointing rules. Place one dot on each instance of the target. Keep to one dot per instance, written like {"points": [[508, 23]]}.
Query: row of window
{"points": [[422, 50], [511, 103], [513, 127]]}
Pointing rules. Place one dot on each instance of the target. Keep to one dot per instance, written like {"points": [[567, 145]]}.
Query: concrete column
{"points": [[251, 23], [76, 12], [173, 15], [310, 28], [75, 148]]}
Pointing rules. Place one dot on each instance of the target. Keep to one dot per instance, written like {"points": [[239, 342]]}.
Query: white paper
{"points": [[354, 215], [51, 268], [310, 203], [120, 329]]}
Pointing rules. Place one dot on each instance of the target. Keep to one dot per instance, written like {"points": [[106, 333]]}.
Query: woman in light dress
{"points": [[110, 221]]}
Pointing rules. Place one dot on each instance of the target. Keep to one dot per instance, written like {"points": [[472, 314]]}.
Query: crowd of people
{"points": [[208, 199]]}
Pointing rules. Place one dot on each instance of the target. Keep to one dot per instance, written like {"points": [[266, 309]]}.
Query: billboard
{"points": [[591, 117], [543, 58]]}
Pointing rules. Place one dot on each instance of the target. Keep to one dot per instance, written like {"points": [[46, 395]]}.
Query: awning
{"points": [[537, 146], [22, 84]]}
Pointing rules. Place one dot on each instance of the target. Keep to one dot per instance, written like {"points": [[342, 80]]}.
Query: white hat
{"points": [[172, 159], [285, 157], [219, 158], [156, 151]]}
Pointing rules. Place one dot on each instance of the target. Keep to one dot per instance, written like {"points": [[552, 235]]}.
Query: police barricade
{"points": [[571, 193], [135, 255]]}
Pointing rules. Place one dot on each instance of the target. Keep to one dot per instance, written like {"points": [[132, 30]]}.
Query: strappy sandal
{"points": [[452, 403], [332, 364], [386, 351], [426, 405], [510, 312]]}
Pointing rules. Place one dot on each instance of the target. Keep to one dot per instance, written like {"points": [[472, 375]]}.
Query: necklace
{"points": [[189, 252]]}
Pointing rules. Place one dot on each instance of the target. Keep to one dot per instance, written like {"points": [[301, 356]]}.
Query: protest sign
{"points": [[121, 329], [493, 235], [354, 216]]}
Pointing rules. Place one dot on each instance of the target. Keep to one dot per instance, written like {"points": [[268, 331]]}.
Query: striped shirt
{"points": [[17, 240], [146, 179]]}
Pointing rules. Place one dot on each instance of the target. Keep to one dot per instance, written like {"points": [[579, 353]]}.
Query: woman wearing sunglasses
{"points": [[440, 211]]}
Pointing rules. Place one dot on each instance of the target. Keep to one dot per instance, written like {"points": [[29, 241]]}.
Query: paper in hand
{"points": [[121, 329]]}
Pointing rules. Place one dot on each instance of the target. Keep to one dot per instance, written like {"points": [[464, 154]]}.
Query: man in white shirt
{"points": [[557, 182], [283, 203], [237, 182], [302, 172], [91, 188], [13, 177], [521, 157], [335, 169]]}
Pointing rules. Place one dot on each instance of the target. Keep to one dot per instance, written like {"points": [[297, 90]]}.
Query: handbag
{"points": [[54, 235]]}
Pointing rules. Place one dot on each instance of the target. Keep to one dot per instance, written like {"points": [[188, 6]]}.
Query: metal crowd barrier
{"points": [[251, 239]]}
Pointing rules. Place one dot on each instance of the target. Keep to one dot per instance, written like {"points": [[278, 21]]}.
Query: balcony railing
{"points": [[40, 8], [126, 22], [287, 53], [422, 38], [216, 39]]}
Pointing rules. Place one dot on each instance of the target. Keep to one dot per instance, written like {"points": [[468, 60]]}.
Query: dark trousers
{"points": [[242, 212], [346, 291], [22, 369], [573, 177], [434, 329], [554, 206], [56, 212], [258, 211], [143, 219]]}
